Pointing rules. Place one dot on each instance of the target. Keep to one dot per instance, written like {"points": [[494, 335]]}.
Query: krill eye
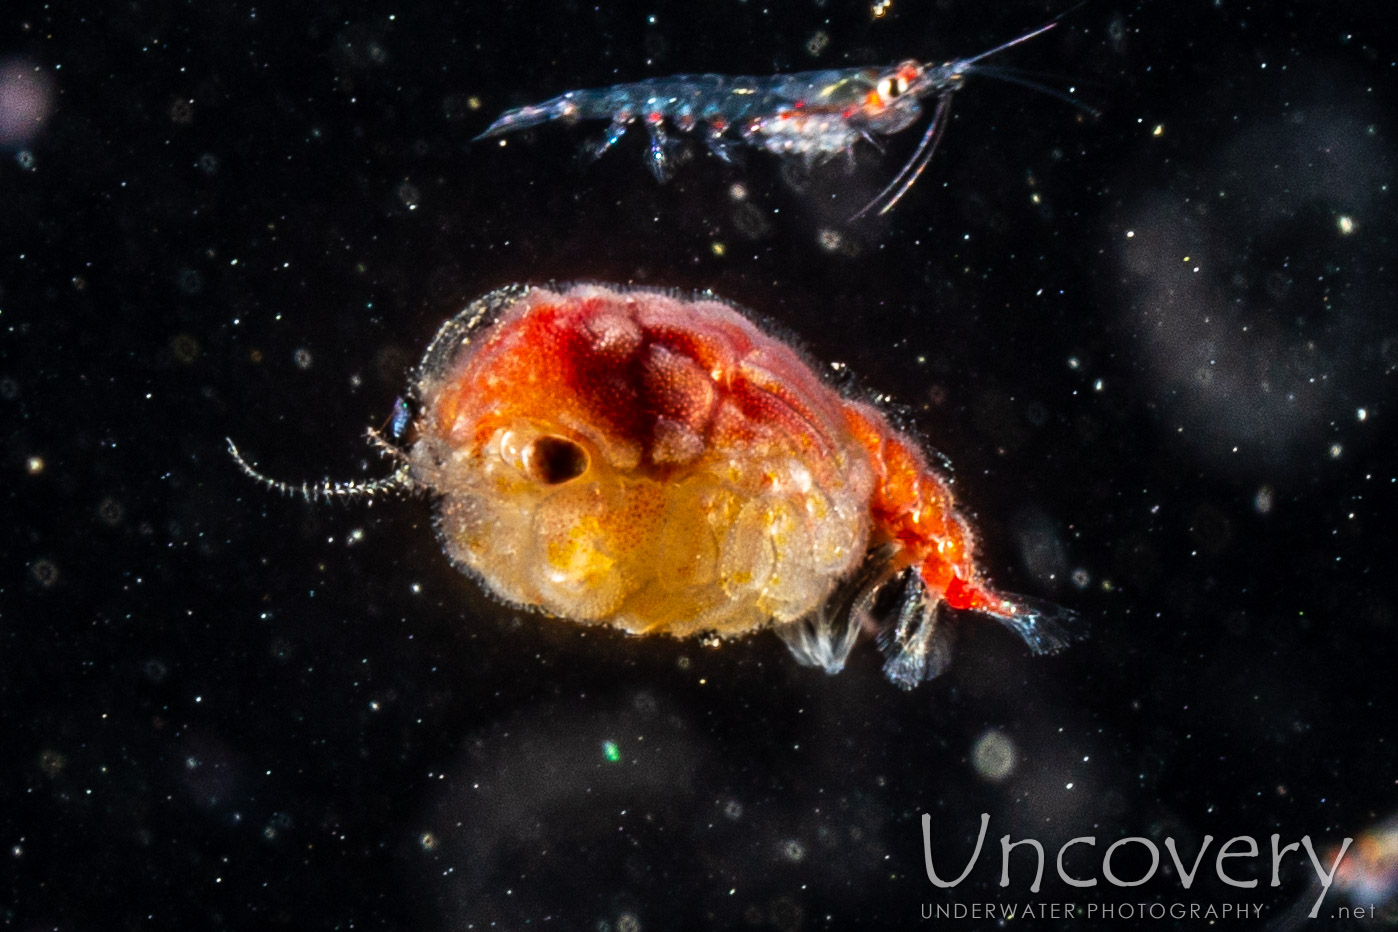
{"points": [[892, 88], [554, 460]]}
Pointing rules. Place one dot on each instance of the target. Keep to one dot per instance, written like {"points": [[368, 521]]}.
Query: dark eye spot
{"points": [[553, 460]]}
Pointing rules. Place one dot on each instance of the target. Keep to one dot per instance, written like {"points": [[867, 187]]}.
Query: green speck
{"points": [[611, 751]]}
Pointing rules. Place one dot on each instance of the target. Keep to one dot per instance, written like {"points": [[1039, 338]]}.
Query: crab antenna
{"points": [[396, 482]]}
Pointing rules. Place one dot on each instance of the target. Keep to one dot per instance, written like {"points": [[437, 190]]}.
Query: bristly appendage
{"points": [[398, 482], [825, 638]]}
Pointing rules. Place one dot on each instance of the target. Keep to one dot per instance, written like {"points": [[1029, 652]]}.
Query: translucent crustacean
{"points": [[659, 464], [814, 114]]}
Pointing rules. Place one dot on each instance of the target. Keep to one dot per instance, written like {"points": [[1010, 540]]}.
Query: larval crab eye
{"points": [[551, 460]]}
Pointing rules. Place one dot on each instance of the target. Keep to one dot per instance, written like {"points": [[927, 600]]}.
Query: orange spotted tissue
{"points": [[659, 464]]}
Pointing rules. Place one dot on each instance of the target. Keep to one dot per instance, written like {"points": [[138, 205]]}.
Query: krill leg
{"points": [[658, 157], [615, 131]]}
